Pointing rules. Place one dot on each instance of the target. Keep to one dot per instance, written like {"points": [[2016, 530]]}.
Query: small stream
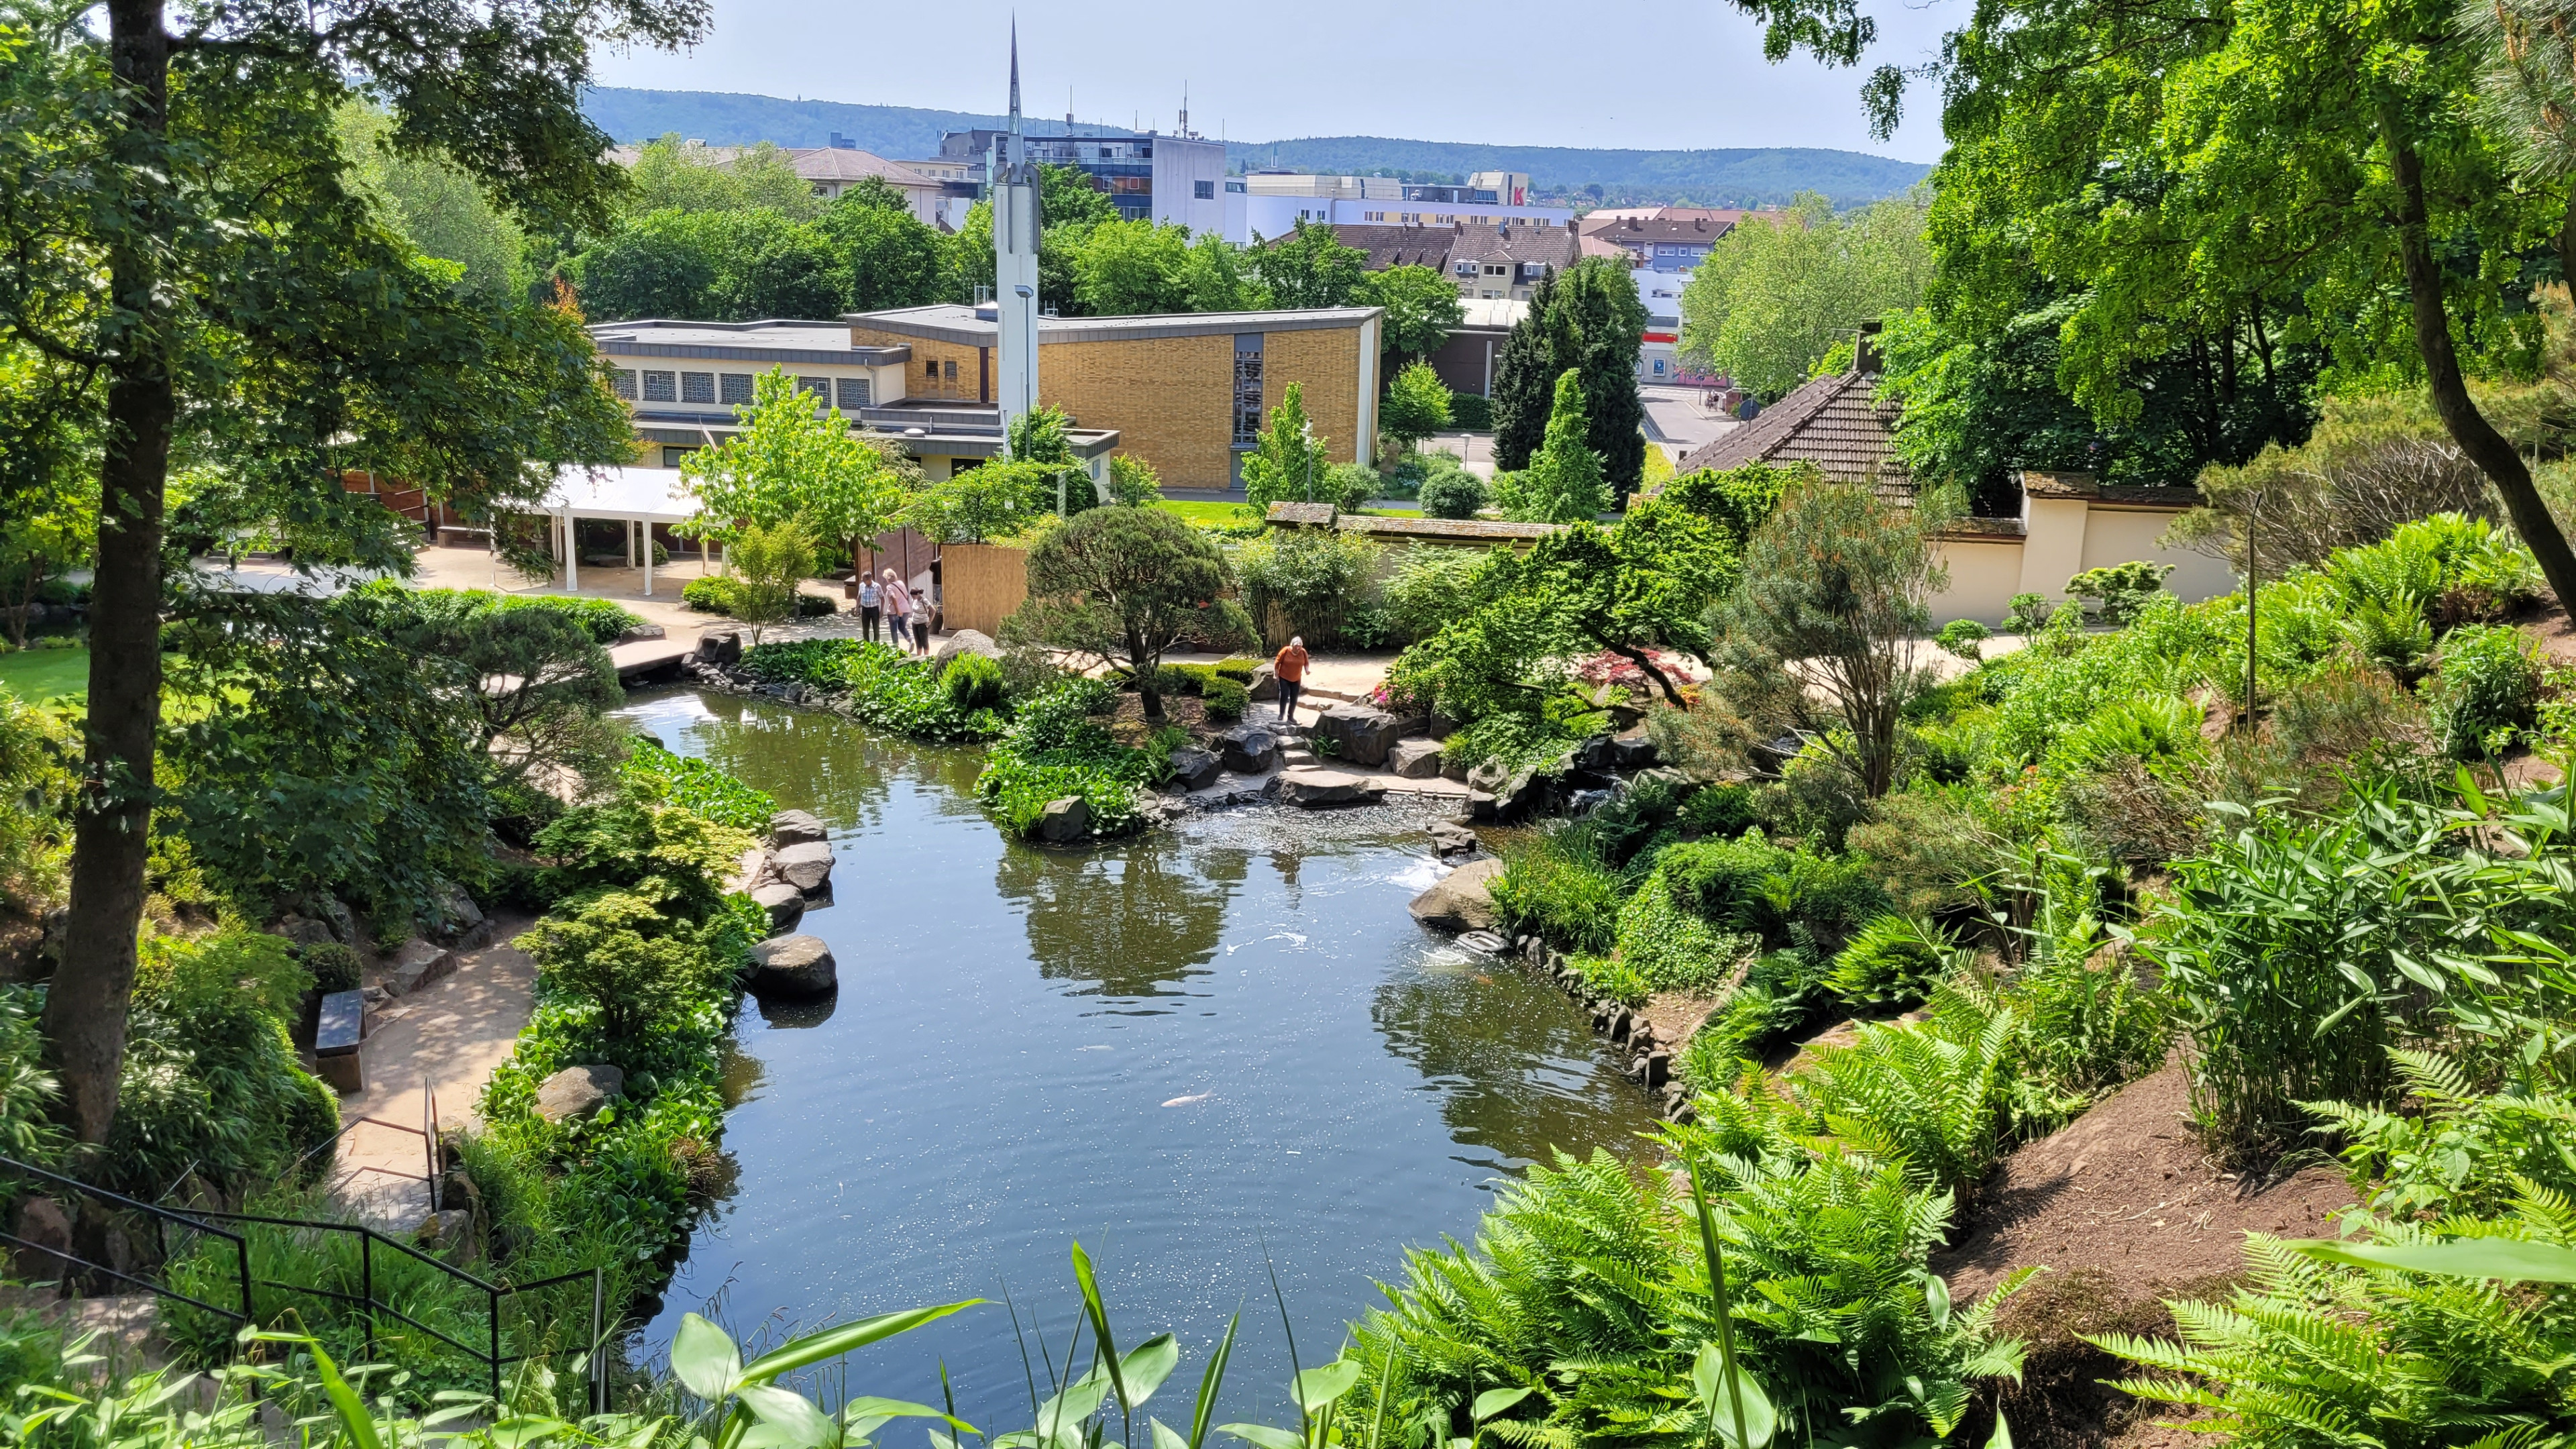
{"points": [[1186, 1051]]}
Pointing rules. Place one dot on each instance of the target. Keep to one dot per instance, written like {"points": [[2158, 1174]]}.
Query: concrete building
{"points": [[1486, 263], [1188, 392], [1659, 351], [1149, 177], [1275, 201], [1466, 362], [1671, 239]]}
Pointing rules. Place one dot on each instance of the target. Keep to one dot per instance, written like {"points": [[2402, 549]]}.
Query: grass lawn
{"points": [[40, 674], [1203, 512]]}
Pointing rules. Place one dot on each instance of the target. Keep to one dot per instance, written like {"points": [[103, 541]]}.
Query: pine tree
{"points": [[1564, 483], [1525, 382], [1601, 304]]}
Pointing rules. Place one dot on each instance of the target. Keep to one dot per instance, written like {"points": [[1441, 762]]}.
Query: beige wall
{"points": [[1170, 398], [1339, 375], [980, 584], [916, 380], [2064, 537]]}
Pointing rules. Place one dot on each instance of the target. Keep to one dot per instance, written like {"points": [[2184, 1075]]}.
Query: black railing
{"points": [[209, 1223]]}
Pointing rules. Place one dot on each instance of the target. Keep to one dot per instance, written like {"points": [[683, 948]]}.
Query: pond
{"points": [[1188, 1051]]}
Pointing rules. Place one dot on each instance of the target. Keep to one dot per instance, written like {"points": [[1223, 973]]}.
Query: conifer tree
{"points": [[1608, 320], [1525, 382], [1564, 483]]}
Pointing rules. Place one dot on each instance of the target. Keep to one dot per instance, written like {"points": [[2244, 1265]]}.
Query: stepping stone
{"points": [[1311, 787]]}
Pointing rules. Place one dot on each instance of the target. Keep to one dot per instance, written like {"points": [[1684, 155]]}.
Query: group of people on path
{"points": [[906, 615]]}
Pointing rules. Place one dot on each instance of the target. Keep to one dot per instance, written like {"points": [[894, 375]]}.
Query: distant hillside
{"points": [[1713, 177]]}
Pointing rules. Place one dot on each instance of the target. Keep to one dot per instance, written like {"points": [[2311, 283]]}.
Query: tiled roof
{"points": [[1399, 246], [1836, 423], [1546, 245], [1671, 223], [839, 163], [1594, 246]]}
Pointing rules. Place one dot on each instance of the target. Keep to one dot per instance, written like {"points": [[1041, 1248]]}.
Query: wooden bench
{"points": [[335, 1041]]}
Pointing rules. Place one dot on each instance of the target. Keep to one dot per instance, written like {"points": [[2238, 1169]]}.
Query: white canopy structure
{"points": [[637, 497]]}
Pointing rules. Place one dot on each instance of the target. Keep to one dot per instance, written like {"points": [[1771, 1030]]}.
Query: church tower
{"points": [[1014, 189]]}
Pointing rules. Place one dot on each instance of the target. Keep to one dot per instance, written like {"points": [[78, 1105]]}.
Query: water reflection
{"points": [[1192, 1050], [1134, 923]]}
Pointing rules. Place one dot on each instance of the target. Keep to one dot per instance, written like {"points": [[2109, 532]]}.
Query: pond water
{"points": [[1186, 1051]]}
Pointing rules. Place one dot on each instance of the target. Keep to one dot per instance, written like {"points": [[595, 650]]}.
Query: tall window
{"points": [[698, 387], [736, 387], [622, 381], [820, 387], [661, 387], [1247, 389], [854, 392]]}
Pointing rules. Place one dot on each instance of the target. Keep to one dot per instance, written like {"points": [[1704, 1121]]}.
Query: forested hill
{"points": [[1712, 177]]}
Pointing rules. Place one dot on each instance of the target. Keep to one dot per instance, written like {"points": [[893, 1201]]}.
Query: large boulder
{"points": [[1415, 759], [1195, 768], [1310, 787], [454, 919], [1248, 749], [720, 649], [44, 1233], [964, 641], [1633, 753], [784, 902], [793, 966], [1450, 838], [1463, 900], [1265, 682], [795, 827], [1355, 732], [415, 964], [805, 865], [1064, 820], [577, 1092]]}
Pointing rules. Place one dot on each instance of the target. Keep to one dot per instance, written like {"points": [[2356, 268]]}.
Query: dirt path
{"points": [[444, 1039]]}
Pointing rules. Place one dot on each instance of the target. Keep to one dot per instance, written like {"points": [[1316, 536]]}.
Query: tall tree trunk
{"points": [[85, 1008], [2477, 437]]}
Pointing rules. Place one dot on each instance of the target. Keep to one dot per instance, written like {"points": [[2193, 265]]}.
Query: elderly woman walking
{"points": [[898, 610]]}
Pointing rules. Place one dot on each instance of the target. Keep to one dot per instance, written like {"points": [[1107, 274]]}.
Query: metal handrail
{"points": [[210, 1220]]}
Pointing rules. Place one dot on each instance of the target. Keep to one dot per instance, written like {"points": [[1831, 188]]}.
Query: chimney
{"points": [[1865, 358]]}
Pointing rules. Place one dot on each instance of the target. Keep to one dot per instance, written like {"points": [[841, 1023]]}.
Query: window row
{"points": [[730, 388]]}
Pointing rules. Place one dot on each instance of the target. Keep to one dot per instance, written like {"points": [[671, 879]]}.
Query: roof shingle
{"points": [[1837, 423]]}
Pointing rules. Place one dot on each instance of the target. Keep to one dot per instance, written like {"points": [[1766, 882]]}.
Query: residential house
{"points": [[1672, 239]]}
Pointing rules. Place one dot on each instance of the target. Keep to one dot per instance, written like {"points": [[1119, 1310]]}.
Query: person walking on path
{"points": [[921, 622], [871, 606], [1290, 668], [898, 609]]}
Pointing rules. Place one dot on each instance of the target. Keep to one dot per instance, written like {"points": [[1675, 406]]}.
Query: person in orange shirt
{"points": [[1291, 669]]}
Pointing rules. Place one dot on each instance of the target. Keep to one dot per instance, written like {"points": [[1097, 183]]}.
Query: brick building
{"points": [[1186, 392]]}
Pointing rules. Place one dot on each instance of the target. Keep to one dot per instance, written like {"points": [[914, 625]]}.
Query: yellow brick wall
{"points": [[1168, 397], [915, 382], [1327, 362]]}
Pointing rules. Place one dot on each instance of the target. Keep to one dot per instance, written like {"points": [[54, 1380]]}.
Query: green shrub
{"points": [[1054, 748], [1238, 670], [1964, 638], [2159, 731], [1892, 963], [2278, 949], [602, 619], [697, 786], [1670, 948], [2121, 590], [520, 810], [334, 967], [1227, 699], [973, 682], [1452, 493], [1471, 412], [1571, 902], [1722, 810], [886, 687], [211, 1081], [2486, 689], [707, 595]]}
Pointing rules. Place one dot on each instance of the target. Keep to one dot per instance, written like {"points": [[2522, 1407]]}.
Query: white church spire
{"points": [[1016, 222]]}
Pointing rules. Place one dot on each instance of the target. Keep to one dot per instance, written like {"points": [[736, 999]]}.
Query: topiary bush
{"points": [[1227, 699], [334, 966], [706, 595], [1452, 494]]}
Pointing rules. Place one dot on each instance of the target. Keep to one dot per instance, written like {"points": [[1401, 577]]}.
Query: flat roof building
{"points": [[1186, 392]]}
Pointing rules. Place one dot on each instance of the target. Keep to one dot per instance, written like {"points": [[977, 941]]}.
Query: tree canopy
{"points": [[1778, 293]]}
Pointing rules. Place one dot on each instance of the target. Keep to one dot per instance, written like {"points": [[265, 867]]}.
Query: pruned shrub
{"points": [[1227, 699], [973, 682], [334, 966]]}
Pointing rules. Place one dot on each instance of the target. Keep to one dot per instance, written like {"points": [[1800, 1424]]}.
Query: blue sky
{"points": [[1592, 73]]}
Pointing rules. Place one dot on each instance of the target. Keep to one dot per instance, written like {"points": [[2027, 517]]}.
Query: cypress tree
{"points": [[1601, 303], [1525, 382]]}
